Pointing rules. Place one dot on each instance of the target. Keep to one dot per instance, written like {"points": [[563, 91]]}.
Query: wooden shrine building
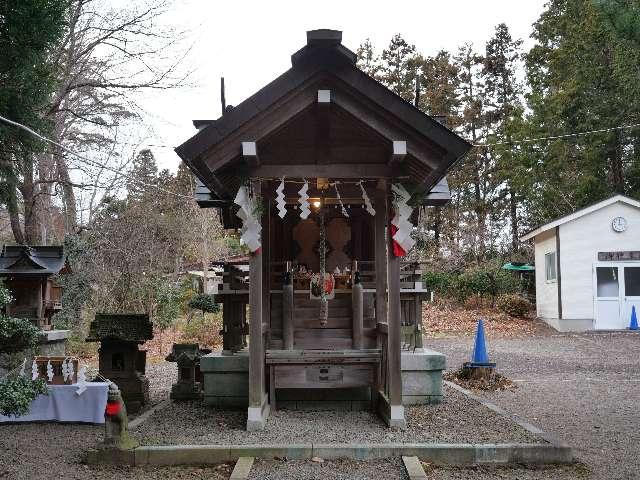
{"points": [[322, 170], [28, 272]]}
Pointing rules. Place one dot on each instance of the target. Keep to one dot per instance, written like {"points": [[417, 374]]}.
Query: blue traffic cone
{"points": [[634, 319], [480, 354]]}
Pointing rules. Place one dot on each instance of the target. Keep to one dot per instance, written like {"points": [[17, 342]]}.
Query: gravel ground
{"points": [[388, 469], [53, 451], [457, 420], [582, 388]]}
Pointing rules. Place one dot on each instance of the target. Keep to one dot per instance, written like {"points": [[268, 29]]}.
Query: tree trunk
{"points": [[513, 213], [68, 196], [29, 199], [14, 218]]}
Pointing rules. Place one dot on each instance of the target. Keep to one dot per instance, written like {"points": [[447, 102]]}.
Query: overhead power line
{"points": [[88, 160], [557, 137]]}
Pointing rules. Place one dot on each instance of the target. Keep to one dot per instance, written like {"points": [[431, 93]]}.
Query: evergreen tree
{"points": [[502, 97], [583, 75], [398, 67], [143, 176], [368, 61], [29, 30]]}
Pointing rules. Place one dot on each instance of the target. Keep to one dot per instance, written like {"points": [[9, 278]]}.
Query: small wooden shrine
{"points": [[120, 359], [28, 273], [324, 171]]}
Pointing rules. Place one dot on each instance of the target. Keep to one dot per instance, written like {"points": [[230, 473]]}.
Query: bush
{"points": [[17, 393], [204, 303], [17, 334], [438, 281], [485, 281], [513, 305], [205, 330]]}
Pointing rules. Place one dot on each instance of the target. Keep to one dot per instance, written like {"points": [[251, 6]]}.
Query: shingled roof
{"points": [[130, 327], [31, 260], [214, 153]]}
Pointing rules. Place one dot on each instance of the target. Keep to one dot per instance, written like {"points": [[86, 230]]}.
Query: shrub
{"points": [[486, 281], [204, 330], [17, 393], [204, 303], [17, 334], [438, 281], [513, 305]]}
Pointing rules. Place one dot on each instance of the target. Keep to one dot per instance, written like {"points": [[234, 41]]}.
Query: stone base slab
{"points": [[436, 453]]}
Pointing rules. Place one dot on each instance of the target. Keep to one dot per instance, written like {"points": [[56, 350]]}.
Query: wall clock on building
{"points": [[619, 224]]}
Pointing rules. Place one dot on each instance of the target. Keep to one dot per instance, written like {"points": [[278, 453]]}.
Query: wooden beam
{"points": [[419, 149], [396, 416], [399, 153], [288, 330], [261, 126], [358, 171], [250, 154], [381, 220], [357, 302], [256, 415]]}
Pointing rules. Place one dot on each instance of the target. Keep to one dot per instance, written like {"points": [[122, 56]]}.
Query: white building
{"points": [[588, 266]]}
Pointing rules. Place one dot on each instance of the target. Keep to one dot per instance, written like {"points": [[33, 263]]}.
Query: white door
{"points": [[631, 293], [607, 297]]}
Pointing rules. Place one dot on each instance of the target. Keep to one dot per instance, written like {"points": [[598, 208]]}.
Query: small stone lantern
{"points": [[189, 384]]}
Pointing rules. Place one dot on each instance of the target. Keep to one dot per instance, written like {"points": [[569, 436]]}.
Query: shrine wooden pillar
{"points": [[381, 219], [388, 314], [394, 354], [258, 410]]}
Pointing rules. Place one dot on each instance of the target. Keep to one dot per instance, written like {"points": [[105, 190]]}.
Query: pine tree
{"points": [[368, 61], [399, 61], [143, 176], [503, 95]]}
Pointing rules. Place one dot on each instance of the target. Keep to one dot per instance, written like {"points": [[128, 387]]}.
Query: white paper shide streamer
{"points": [[82, 380], [67, 369], [251, 228], [367, 201], [49, 371], [344, 210], [280, 200], [303, 200], [401, 219]]}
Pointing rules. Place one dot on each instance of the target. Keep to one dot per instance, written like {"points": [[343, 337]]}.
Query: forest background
{"points": [[555, 128]]}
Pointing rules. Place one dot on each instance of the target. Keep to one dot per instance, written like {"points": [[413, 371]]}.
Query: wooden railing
{"points": [[235, 277]]}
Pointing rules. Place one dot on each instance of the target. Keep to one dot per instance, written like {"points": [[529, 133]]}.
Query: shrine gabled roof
{"points": [[31, 260], [129, 327], [324, 60]]}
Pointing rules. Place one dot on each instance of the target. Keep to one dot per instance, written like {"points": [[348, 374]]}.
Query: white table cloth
{"points": [[64, 405]]}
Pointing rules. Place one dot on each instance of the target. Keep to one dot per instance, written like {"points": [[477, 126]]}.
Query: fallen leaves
{"points": [[495, 382], [443, 318]]}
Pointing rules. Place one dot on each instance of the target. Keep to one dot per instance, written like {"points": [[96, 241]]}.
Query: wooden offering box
{"points": [[302, 282], [56, 363], [343, 281]]}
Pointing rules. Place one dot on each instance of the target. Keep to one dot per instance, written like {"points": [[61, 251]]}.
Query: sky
{"points": [[250, 44]]}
